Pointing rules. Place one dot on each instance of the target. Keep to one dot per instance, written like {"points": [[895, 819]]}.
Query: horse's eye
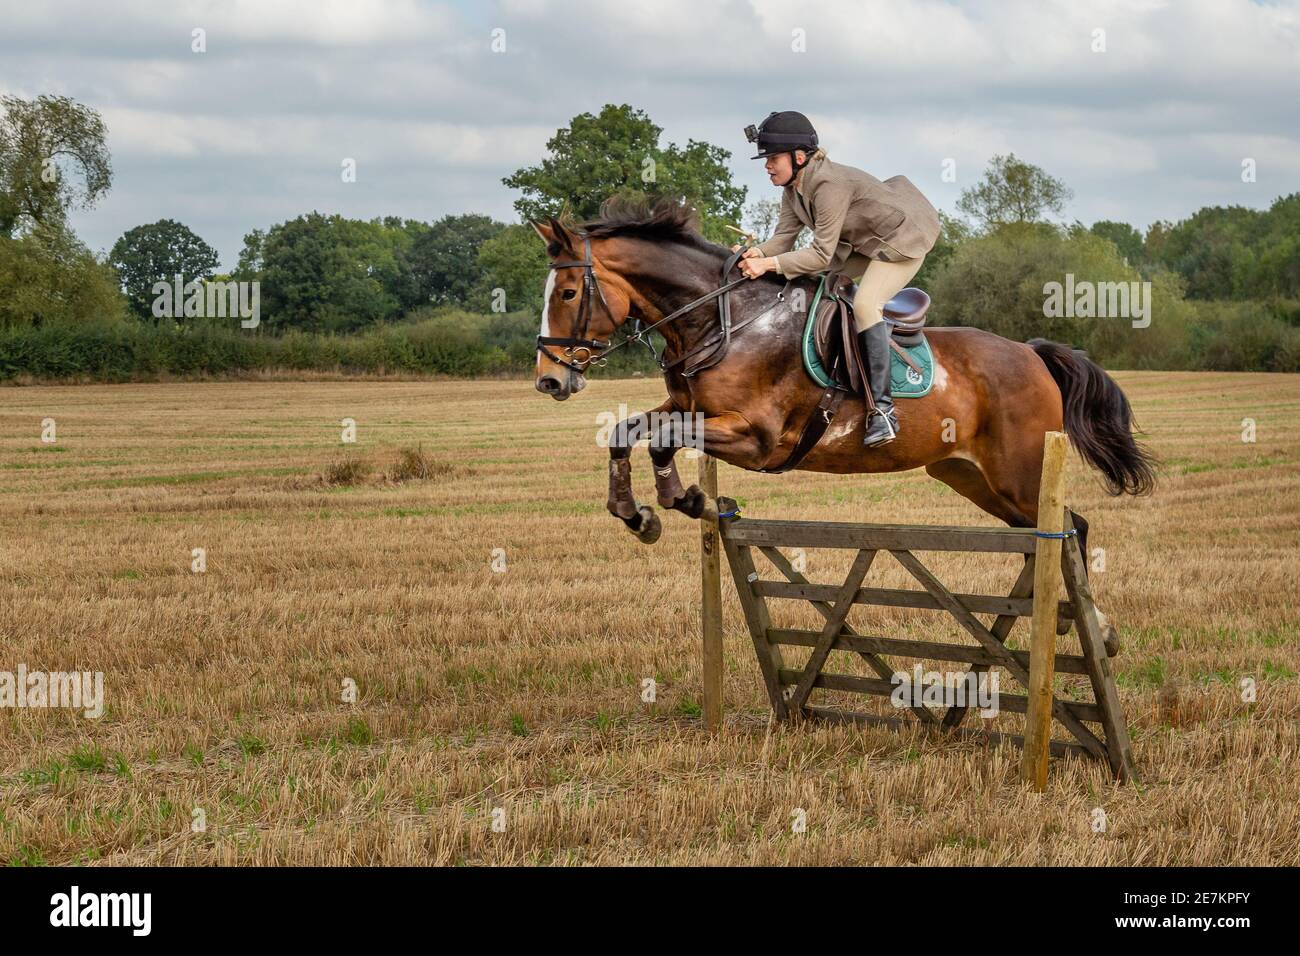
{"points": [[569, 294]]}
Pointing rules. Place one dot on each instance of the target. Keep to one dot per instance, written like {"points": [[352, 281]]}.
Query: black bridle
{"points": [[597, 351]]}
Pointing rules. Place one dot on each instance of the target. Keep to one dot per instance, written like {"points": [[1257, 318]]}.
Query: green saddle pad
{"points": [[903, 381]]}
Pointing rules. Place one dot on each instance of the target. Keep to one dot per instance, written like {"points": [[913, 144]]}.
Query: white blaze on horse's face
{"points": [[552, 379], [546, 302]]}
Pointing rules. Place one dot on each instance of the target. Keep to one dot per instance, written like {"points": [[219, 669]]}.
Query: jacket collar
{"points": [[810, 173]]}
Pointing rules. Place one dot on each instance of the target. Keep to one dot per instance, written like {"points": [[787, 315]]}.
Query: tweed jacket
{"points": [[851, 214]]}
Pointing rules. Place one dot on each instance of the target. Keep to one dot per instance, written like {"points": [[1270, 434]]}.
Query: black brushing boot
{"points": [[873, 343]]}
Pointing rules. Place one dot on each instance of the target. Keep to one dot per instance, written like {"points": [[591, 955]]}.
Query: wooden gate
{"points": [[1095, 728]]}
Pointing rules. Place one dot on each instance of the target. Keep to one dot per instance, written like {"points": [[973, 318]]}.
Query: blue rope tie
{"points": [[1056, 534], [734, 513]]}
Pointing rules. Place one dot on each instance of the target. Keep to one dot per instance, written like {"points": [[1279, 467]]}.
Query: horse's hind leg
{"points": [[1081, 525], [1109, 634], [966, 478], [1020, 491]]}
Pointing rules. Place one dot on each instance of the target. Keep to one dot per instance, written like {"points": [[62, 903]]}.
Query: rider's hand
{"points": [[749, 253], [755, 266]]}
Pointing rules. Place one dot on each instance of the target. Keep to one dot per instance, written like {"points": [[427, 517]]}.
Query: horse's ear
{"points": [[558, 238]]}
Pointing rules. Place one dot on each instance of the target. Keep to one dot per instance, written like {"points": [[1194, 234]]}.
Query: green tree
{"points": [[249, 266], [514, 261], [395, 240], [1153, 243], [1276, 269], [1233, 252], [761, 217], [52, 159], [1127, 239], [618, 154], [1212, 250], [444, 258], [1013, 191], [159, 252], [999, 282], [327, 273], [48, 276]]}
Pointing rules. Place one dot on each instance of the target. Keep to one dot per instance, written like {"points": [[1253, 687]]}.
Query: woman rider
{"points": [[876, 233]]}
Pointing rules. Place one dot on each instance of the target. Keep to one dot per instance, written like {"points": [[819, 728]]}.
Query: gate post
{"points": [[1047, 592], [711, 601]]}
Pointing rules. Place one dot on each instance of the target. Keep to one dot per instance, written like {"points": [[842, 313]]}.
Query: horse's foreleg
{"points": [[677, 432], [728, 436], [641, 520]]}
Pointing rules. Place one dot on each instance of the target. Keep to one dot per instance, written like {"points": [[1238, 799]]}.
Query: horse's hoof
{"points": [[650, 528], [692, 503], [1109, 636]]}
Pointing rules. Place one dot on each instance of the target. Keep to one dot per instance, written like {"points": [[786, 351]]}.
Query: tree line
{"points": [[461, 295]]}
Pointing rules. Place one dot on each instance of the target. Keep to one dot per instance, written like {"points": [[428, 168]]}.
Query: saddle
{"points": [[835, 335]]}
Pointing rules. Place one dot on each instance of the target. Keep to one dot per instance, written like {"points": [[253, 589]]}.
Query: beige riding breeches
{"points": [[880, 283]]}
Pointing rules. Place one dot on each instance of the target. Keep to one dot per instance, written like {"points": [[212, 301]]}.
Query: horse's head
{"points": [[584, 303]]}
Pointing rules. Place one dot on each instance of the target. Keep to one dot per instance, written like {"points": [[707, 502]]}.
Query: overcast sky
{"points": [[253, 131]]}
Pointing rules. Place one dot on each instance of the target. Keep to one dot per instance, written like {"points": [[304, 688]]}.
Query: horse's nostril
{"points": [[548, 385]]}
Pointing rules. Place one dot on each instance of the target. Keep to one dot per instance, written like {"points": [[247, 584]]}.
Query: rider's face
{"points": [[779, 167]]}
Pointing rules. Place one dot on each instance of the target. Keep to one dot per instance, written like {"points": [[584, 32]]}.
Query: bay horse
{"points": [[979, 430]]}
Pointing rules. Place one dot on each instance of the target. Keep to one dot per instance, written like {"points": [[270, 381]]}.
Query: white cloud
{"points": [[253, 130]]}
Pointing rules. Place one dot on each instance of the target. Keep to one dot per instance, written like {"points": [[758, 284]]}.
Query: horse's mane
{"points": [[658, 220], [664, 220]]}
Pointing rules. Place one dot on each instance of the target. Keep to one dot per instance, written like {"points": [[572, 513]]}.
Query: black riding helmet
{"points": [[783, 132]]}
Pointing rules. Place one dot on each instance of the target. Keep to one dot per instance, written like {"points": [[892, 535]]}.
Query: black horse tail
{"points": [[1098, 419]]}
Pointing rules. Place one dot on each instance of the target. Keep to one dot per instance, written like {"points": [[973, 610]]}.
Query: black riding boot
{"points": [[873, 343]]}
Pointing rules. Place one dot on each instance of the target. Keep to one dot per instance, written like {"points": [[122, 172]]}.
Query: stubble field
{"points": [[498, 626]]}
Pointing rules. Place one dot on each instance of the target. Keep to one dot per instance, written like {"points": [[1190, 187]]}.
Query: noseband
{"points": [[596, 351]]}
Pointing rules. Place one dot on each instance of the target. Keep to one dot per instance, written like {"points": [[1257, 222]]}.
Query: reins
{"points": [[598, 351]]}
